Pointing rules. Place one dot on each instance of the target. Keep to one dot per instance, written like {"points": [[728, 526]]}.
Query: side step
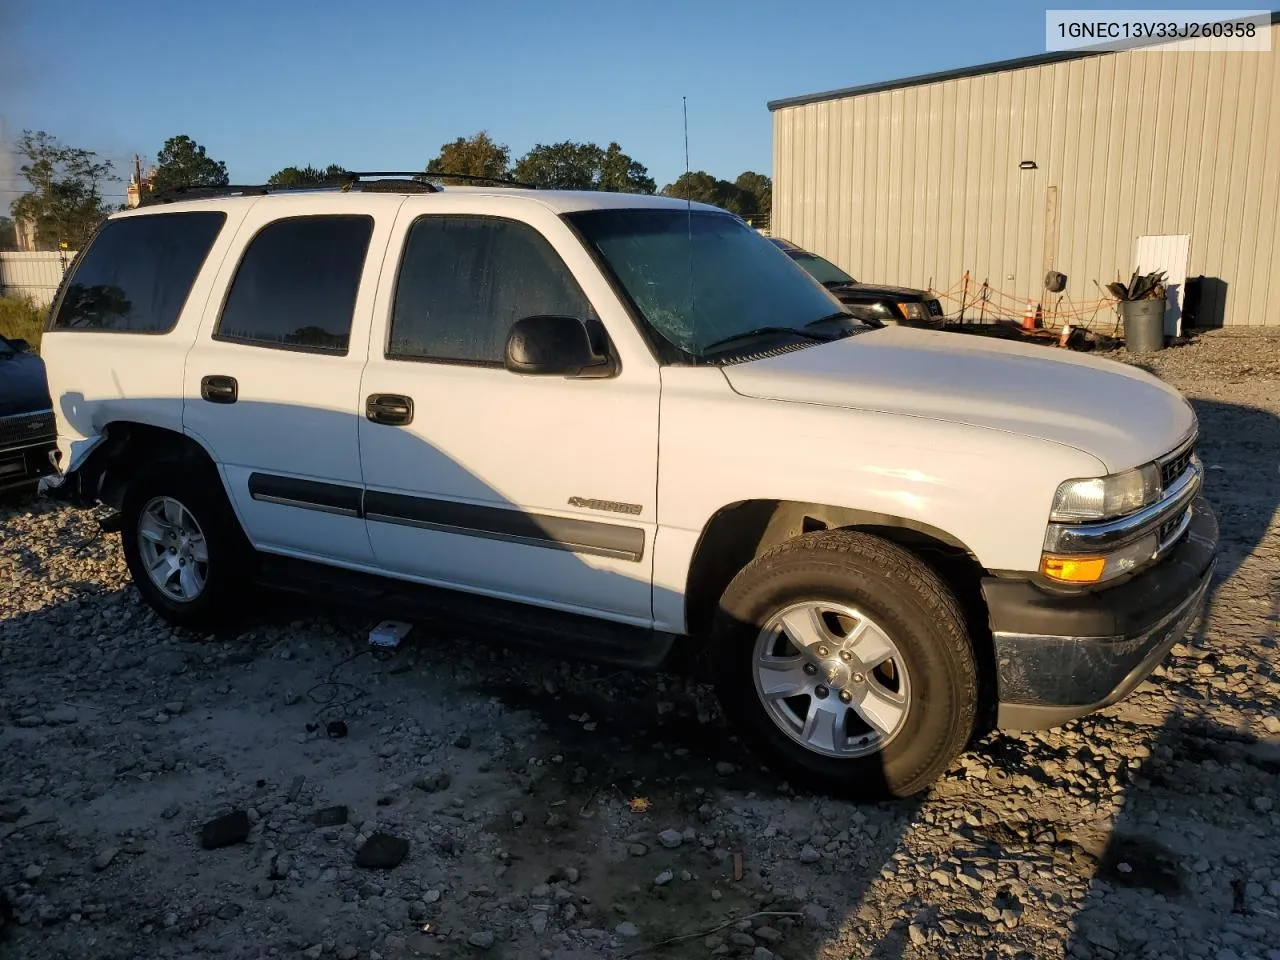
{"points": [[568, 635]]}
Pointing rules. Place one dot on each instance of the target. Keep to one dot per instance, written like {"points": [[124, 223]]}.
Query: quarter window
{"points": [[465, 280], [295, 288], [137, 273]]}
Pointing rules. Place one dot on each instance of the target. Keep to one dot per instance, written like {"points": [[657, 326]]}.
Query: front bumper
{"points": [[1062, 656], [23, 466]]}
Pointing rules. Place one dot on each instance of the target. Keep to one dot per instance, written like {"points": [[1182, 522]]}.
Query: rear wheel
{"points": [[186, 552], [846, 660]]}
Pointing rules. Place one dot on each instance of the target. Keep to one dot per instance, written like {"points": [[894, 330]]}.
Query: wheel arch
{"points": [[127, 444], [739, 532]]}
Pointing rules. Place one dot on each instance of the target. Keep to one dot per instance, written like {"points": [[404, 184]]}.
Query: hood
{"points": [[23, 387], [906, 293], [1118, 413]]}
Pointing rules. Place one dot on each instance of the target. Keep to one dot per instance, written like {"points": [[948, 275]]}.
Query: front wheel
{"points": [[183, 544], [846, 661]]}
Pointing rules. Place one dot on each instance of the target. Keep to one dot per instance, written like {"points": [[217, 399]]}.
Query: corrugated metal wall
{"points": [[918, 184], [33, 275]]}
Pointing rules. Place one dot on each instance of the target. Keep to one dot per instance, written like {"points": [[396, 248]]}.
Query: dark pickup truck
{"points": [[27, 431], [874, 304]]}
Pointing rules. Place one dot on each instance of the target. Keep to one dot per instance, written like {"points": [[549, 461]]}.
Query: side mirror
{"points": [[20, 345], [555, 346]]}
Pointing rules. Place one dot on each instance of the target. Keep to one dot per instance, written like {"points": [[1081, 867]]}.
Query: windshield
{"points": [[700, 278], [824, 271]]}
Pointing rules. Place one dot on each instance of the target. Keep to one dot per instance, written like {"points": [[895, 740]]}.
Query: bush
{"points": [[21, 319]]}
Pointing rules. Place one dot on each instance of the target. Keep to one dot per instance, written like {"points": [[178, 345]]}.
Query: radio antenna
{"points": [[688, 205]]}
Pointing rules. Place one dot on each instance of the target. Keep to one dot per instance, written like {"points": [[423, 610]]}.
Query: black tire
{"points": [[197, 488], [913, 607]]}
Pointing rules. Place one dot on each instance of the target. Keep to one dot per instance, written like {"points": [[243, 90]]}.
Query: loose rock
{"points": [[225, 831], [671, 838], [382, 852]]}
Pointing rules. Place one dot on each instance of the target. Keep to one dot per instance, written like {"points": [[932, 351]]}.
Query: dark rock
{"points": [[481, 939], [229, 911], [330, 816], [281, 864], [433, 782], [12, 812], [463, 741], [225, 831], [382, 851], [671, 838]]}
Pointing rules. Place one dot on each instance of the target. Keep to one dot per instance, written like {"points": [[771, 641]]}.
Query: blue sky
{"points": [[263, 85]]}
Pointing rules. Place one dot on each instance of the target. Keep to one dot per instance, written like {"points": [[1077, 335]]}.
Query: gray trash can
{"points": [[1143, 324]]}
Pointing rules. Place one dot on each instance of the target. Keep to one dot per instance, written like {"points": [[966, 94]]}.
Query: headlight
{"points": [[912, 311], [1101, 498]]}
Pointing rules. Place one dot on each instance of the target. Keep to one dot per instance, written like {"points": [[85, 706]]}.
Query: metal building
{"points": [[1059, 161]]}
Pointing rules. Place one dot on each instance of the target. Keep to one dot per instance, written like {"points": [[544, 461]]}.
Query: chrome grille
{"points": [[27, 429], [1176, 465]]}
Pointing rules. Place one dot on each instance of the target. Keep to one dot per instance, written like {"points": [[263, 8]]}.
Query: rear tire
{"points": [[184, 546], [845, 660]]}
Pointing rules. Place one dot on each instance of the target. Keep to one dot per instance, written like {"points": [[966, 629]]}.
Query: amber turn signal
{"points": [[1073, 569]]}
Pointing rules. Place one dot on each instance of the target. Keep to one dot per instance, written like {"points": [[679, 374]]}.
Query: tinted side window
{"points": [[465, 280], [296, 286], [136, 274]]}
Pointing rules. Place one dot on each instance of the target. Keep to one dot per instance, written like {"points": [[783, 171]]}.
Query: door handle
{"points": [[217, 389], [391, 409]]}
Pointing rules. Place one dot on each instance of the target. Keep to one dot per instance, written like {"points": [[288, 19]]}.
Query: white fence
{"points": [[33, 275]]}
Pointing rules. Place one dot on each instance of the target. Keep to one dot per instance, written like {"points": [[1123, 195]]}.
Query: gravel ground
{"points": [[558, 810]]}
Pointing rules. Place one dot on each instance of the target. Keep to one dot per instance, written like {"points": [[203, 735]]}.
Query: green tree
{"points": [[184, 163], [475, 156], [307, 176], [64, 202], [701, 187], [757, 192], [8, 236], [621, 174], [561, 166], [583, 166]]}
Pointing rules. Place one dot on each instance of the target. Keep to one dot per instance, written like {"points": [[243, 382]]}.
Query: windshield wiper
{"points": [[760, 331], [830, 317]]}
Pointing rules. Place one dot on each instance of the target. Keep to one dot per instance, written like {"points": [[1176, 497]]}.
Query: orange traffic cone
{"points": [[1029, 317]]}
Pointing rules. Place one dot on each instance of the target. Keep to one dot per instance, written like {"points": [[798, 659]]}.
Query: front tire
{"points": [[183, 544], [846, 661]]}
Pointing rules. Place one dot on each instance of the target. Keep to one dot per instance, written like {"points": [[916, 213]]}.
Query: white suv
{"points": [[610, 421]]}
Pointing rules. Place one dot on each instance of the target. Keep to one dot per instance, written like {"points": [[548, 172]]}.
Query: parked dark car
{"points": [[27, 431], [873, 304]]}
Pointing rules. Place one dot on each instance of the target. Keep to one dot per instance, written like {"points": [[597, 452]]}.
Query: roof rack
{"points": [[368, 181]]}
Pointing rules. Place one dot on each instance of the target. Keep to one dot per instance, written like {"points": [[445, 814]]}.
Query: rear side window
{"points": [[465, 280], [295, 288], [137, 273]]}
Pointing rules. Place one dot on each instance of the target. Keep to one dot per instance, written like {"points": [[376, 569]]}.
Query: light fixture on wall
{"points": [[1027, 165]]}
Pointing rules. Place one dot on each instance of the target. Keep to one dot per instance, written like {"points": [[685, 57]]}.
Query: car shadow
{"points": [[1189, 849], [661, 738], [657, 736]]}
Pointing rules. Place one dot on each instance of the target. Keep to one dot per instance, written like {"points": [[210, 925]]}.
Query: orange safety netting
{"points": [[979, 302]]}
